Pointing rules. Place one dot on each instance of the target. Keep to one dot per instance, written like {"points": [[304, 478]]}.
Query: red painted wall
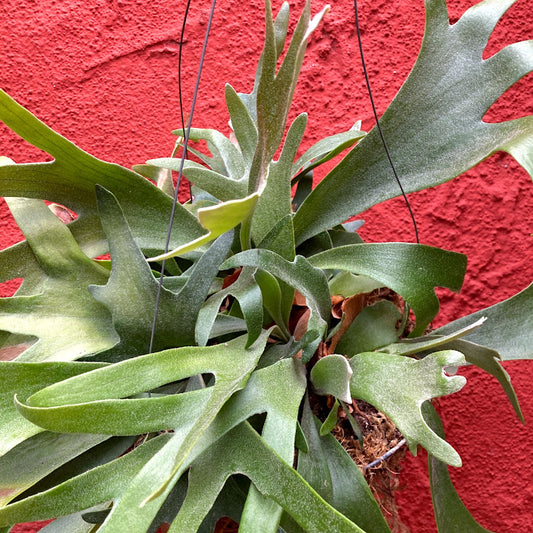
{"points": [[104, 74]]}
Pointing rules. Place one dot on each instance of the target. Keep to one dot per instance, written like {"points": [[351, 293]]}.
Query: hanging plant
{"points": [[236, 365]]}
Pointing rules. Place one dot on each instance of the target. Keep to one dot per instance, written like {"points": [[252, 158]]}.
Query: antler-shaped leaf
{"points": [[434, 127], [54, 303], [244, 451], [130, 294], [276, 390], [411, 270], [261, 513], [91, 402], [259, 121], [399, 386], [275, 89], [70, 181]]}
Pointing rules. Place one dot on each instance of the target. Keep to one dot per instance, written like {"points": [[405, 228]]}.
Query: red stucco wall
{"points": [[104, 74]]}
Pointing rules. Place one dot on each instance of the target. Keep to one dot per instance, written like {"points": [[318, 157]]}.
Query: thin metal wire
{"points": [[386, 455], [185, 143], [359, 40]]}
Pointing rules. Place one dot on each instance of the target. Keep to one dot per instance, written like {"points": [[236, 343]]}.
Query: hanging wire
{"points": [[185, 143], [359, 40]]}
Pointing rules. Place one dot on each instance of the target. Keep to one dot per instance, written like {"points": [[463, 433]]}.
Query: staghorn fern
{"points": [[103, 434]]}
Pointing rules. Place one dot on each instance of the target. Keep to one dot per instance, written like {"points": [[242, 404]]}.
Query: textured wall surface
{"points": [[104, 73]]}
